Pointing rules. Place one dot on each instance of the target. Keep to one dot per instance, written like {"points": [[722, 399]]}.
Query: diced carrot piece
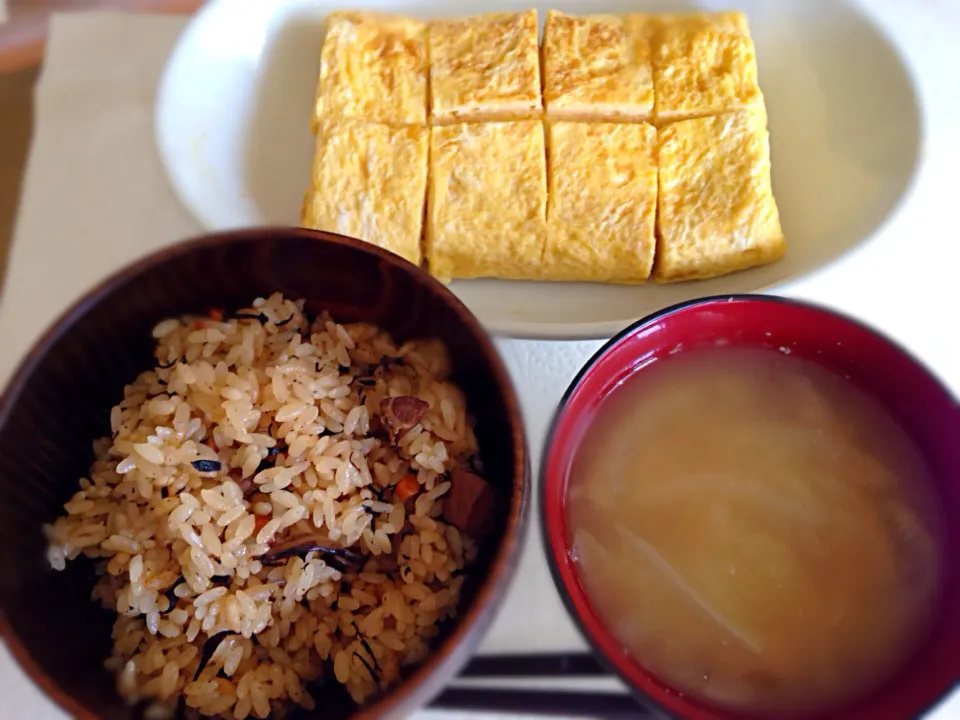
{"points": [[198, 324], [258, 523], [215, 314], [224, 686], [407, 487]]}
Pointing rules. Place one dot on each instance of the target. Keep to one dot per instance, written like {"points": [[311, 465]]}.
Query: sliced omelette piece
{"points": [[716, 212], [597, 67], [603, 198], [703, 64], [486, 204], [485, 67], [373, 67], [369, 182]]}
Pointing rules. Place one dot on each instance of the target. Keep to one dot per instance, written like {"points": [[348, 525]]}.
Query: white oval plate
{"points": [[232, 127]]}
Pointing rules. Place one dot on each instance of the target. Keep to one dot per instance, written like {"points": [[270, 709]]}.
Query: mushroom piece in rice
{"points": [[243, 520]]}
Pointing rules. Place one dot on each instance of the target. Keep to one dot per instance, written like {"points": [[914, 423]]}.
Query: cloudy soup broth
{"points": [[756, 531]]}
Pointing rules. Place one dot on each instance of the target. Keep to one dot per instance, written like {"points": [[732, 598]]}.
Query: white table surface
{"points": [[94, 197]]}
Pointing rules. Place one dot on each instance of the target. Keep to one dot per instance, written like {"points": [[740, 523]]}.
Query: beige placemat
{"points": [[70, 232]]}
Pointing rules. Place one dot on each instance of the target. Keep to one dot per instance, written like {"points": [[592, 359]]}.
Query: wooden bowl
{"points": [[59, 400]]}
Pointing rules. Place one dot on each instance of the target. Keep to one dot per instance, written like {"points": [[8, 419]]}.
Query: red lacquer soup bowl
{"points": [[923, 406]]}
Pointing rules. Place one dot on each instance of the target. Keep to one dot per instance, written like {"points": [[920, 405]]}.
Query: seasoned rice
{"points": [[256, 438]]}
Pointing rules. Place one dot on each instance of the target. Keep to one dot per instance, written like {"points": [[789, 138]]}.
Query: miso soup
{"points": [[756, 531]]}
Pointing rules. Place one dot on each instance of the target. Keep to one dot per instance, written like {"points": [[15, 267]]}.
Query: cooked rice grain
{"points": [[283, 414]]}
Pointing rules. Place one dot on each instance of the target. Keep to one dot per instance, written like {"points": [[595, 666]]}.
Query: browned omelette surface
{"points": [[716, 207], [374, 68], [486, 206], [620, 148], [597, 67], [703, 65], [603, 199], [484, 67], [368, 181]]}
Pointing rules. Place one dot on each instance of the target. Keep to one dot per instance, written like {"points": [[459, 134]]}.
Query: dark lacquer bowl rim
{"points": [[469, 627], [648, 690]]}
